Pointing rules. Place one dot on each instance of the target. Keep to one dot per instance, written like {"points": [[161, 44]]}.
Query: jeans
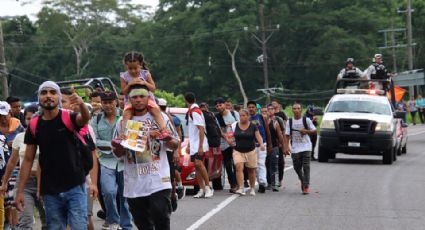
{"points": [[261, 166], [301, 163], [152, 212], [112, 183], [273, 167], [230, 167], [26, 218], [67, 208]]}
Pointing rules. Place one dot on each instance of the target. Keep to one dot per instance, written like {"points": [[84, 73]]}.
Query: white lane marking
{"points": [[219, 207], [414, 134]]}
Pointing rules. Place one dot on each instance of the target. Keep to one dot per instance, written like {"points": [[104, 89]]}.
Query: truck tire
{"points": [[323, 155], [388, 157]]}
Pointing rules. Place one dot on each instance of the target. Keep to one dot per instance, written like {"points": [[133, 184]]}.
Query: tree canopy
{"points": [[184, 43]]}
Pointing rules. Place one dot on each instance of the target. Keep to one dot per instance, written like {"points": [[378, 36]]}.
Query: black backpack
{"points": [[212, 131], [304, 123]]}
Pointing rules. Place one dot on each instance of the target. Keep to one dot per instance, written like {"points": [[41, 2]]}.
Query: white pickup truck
{"points": [[359, 124]]}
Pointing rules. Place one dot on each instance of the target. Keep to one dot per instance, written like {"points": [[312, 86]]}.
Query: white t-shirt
{"points": [[147, 172], [195, 120], [18, 144], [299, 143]]}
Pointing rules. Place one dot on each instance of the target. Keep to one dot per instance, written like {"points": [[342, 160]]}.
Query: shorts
{"points": [[196, 156], [249, 159]]}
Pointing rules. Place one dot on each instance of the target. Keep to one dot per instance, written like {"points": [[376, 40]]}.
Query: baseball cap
{"points": [[162, 102], [4, 108], [378, 56], [108, 96]]}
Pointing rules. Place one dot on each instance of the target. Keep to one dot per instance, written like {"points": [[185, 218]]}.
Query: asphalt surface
{"points": [[350, 192]]}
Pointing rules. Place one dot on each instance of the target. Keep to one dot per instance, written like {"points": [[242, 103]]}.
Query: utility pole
{"points": [[393, 46], [263, 39], [409, 42], [3, 70], [263, 44]]}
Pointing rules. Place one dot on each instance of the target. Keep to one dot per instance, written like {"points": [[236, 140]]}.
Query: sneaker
{"points": [[174, 203], [261, 188], [105, 226], [114, 227], [275, 188], [306, 190], [200, 194], [181, 192], [269, 187], [233, 190], [241, 192], [252, 192], [209, 192]]}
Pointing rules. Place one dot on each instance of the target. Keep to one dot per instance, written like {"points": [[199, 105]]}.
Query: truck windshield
{"points": [[350, 106]]}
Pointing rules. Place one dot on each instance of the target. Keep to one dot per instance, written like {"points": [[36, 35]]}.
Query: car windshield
{"points": [[182, 118], [363, 106]]}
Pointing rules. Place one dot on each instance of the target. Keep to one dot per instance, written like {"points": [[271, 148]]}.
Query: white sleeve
{"points": [[237, 116], [341, 73], [19, 139], [234, 126], [287, 128], [310, 124], [198, 120]]}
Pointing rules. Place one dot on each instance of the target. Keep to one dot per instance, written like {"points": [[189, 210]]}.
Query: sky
{"points": [[14, 7]]}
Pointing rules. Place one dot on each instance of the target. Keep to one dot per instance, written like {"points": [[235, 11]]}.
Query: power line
{"points": [[23, 79]]}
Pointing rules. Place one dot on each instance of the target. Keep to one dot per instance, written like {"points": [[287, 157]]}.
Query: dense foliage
{"points": [[183, 43]]}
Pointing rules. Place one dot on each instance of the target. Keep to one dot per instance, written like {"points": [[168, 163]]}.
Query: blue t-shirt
{"points": [[258, 121]]}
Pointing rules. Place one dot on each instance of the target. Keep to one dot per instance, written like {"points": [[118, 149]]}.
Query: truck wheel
{"points": [[323, 155], [388, 157]]}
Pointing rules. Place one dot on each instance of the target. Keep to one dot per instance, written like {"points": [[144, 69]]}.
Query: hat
{"points": [[53, 85], [4, 108], [378, 56], [349, 60], [219, 101], [162, 102], [108, 96]]}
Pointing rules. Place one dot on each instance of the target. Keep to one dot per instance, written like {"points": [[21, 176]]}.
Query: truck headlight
{"points": [[383, 126], [327, 124]]}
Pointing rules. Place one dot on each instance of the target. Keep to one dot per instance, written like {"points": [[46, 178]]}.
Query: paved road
{"points": [[349, 193]]}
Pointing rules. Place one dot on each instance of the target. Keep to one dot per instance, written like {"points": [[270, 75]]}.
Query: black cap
{"points": [[108, 96], [220, 100]]}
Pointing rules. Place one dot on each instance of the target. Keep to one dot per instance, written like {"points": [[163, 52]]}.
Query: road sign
{"points": [[410, 78]]}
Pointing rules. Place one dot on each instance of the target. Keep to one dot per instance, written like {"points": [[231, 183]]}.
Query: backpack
{"points": [[212, 131], [304, 124], [84, 142]]}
